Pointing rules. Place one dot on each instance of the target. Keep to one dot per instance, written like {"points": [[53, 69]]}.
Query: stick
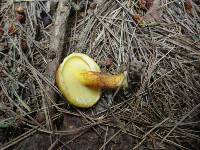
{"points": [[55, 52], [57, 43]]}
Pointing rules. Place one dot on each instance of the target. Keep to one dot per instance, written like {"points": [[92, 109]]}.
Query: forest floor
{"points": [[156, 41]]}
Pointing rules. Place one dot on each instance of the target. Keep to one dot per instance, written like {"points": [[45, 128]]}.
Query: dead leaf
{"points": [[142, 4], [149, 4], [146, 4], [138, 19], [188, 6], [153, 14]]}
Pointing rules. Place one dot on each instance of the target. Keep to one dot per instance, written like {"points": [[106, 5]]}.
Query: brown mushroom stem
{"points": [[101, 80]]}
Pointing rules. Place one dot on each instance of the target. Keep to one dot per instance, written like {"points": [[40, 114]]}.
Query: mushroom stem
{"points": [[101, 80]]}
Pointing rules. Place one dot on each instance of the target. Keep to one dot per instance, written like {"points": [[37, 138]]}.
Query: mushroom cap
{"points": [[73, 90]]}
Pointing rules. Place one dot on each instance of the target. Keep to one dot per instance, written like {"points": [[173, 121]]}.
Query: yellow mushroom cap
{"points": [[73, 90]]}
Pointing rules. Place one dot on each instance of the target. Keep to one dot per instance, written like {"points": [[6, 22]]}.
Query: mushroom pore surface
{"points": [[73, 90]]}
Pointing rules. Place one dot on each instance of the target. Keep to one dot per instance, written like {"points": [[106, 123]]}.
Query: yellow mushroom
{"points": [[80, 80]]}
